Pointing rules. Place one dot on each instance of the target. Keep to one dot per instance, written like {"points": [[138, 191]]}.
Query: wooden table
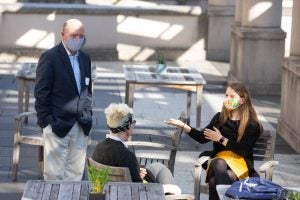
{"points": [[140, 76], [64, 190], [39, 189], [134, 191]]}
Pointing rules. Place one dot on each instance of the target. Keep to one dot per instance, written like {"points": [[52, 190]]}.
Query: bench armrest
{"points": [[267, 169], [201, 160], [24, 115], [264, 167], [198, 172]]}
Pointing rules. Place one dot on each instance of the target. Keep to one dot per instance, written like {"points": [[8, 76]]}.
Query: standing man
{"points": [[63, 93]]}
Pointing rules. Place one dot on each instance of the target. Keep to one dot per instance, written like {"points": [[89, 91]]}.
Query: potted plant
{"points": [[98, 178], [294, 196], [161, 64]]}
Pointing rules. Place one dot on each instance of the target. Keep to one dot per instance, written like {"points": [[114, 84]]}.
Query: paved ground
{"points": [[151, 106]]}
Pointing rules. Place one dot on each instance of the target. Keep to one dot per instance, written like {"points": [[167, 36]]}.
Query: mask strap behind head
{"points": [[124, 127]]}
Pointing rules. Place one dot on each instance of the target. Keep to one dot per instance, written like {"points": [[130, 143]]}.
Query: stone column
{"points": [[288, 125], [238, 11], [220, 17], [259, 46]]}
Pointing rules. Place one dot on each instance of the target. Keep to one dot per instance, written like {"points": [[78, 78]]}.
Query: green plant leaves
{"points": [[161, 59], [98, 178], [294, 196]]}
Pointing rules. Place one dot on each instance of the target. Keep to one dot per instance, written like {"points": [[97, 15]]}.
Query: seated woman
{"points": [[114, 152], [234, 132]]}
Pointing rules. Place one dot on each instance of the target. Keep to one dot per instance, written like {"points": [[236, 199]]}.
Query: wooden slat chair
{"points": [[263, 152], [142, 148], [117, 174], [26, 132]]}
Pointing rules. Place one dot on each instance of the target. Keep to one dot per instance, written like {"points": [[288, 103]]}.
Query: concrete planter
{"points": [[160, 68], [96, 196]]}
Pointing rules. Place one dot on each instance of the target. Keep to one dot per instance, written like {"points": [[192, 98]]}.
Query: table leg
{"points": [[188, 106], [129, 94], [20, 95], [126, 92], [27, 92], [198, 105], [26, 104], [41, 159]]}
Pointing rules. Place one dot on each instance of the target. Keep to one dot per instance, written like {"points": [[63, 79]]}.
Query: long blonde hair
{"points": [[246, 109]]}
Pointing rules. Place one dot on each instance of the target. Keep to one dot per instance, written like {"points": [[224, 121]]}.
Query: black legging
{"points": [[218, 173]]}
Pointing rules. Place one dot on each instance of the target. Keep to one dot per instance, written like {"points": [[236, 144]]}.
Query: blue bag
{"points": [[256, 188]]}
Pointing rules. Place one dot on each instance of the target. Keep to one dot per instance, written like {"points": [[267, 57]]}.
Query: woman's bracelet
{"points": [[183, 126]]}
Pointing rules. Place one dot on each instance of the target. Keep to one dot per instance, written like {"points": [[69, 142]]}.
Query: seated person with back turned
{"points": [[234, 132], [114, 152]]}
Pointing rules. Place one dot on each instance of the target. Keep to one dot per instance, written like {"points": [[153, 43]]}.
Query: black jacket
{"points": [[57, 99], [229, 130]]}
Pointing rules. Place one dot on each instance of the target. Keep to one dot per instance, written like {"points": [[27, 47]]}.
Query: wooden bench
{"points": [[263, 152], [149, 152]]}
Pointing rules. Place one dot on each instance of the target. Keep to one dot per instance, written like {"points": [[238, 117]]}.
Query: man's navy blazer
{"points": [[58, 101]]}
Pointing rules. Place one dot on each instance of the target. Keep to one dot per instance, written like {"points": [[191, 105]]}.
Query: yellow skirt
{"points": [[236, 163]]}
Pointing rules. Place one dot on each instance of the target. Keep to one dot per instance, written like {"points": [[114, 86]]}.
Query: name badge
{"points": [[87, 80]]}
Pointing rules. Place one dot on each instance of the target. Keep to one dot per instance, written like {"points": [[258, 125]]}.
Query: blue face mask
{"points": [[75, 44]]}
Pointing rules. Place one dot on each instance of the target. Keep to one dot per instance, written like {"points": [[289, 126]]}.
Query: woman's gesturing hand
{"points": [[174, 122], [213, 135], [178, 123]]}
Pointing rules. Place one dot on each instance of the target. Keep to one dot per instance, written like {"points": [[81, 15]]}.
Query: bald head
{"points": [[72, 29], [72, 24]]}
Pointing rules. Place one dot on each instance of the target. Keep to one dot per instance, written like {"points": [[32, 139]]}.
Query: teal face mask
{"points": [[231, 103]]}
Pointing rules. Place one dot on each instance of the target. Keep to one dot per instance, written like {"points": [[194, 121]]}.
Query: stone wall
{"points": [[288, 124], [113, 32]]}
